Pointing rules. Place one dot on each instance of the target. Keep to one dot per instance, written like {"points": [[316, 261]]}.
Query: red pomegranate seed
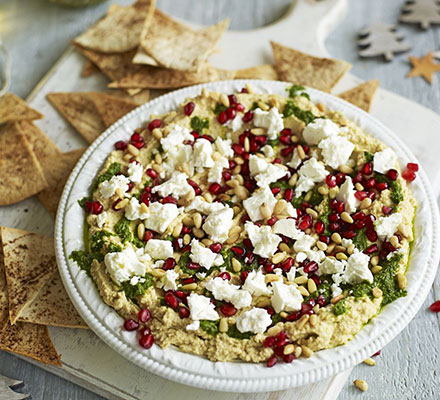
{"points": [[376, 354], [358, 216], [387, 210], [138, 145], [271, 221], [136, 137], [169, 263], [247, 242], [216, 247], [146, 341], [333, 217], [222, 117], [360, 195], [156, 123], [232, 99], [288, 194], [392, 174], [336, 205], [248, 116], [285, 140], [144, 315], [330, 180], [287, 264], [310, 267], [294, 316], [435, 307], [286, 132], [151, 173], [412, 167], [261, 140], [238, 149], [147, 236], [340, 178], [195, 134], [189, 108], [195, 186], [244, 90], [97, 208], [145, 198], [358, 177], [215, 188], [288, 358], [244, 275], [145, 331], [359, 224], [228, 310], [238, 251], [185, 230], [367, 169], [371, 235], [349, 234], [231, 113], [334, 227], [369, 219], [207, 137], [180, 294], [319, 227], [371, 183], [275, 190], [171, 300], [239, 107], [277, 161], [131, 325], [372, 249], [227, 176], [226, 276], [272, 361], [120, 145], [321, 301], [183, 312], [193, 266], [286, 151], [408, 175], [187, 281], [324, 239], [305, 222], [381, 186], [270, 341]]}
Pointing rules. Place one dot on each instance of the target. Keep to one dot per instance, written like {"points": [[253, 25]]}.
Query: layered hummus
{"points": [[249, 226]]}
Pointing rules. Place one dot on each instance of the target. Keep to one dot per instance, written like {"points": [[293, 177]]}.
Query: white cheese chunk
{"points": [[123, 265], [168, 281], [176, 137], [255, 284], [202, 154], [180, 154], [117, 183], [301, 256], [285, 297], [132, 210], [291, 274], [222, 290], [177, 186], [295, 160], [304, 243], [159, 249], [303, 185], [160, 216], [319, 129], [193, 326], [235, 124], [215, 173], [218, 224], [265, 173], [384, 160], [201, 205], [346, 195], [223, 146], [272, 120], [200, 307], [256, 321], [336, 151], [315, 255], [204, 256], [264, 241], [268, 151], [310, 173], [287, 227], [331, 266], [291, 211], [252, 204], [357, 270], [387, 226], [135, 172], [101, 219]]}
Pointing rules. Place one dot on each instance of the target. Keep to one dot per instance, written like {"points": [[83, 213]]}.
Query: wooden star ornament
{"points": [[423, 66]]}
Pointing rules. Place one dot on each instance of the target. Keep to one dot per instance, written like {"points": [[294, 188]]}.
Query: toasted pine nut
{"points": [[293, 179], [337, 299], [278, 257], [208, 197], [339, 248], [303, 291], [241, 192], [157, 133], [312, 212], [376, 269], [331, 247], [341, 256], [232, 239], [336, 237], [157, 272], [365, 203], [271, 278], [333, 192], [263, 302], [298, 351], [198, 233], [132, 150], [197, 218], [307, 351], [127, 157], [224, 100], [301, 152], [323, 190], [258, 131], [405, 230], [186, 239], [235, 230], [275, 330], [302, 322], [346, 169], [122, 204], [345, 216], [249, 88], [223, 326], [284, 247], [190, 286], [289, 349], [311, 286], [374, 260], [280, 207], [232, 183], [141, 231], [236, 265], [263, 106], [207, 242], [265, 211], [394, 240], [313, 319], [158, 158], [143, 208], [359, 186], [361, 385], [350, 249], [246, 144], [240, 179], [370, 361], [401, 280], [188, 221], [205, 92], [177, 229], [301, 280], [157, 168], [321, 245]]}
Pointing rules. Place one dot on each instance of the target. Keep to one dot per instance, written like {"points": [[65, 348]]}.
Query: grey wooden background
{"points": [[37, 32]]}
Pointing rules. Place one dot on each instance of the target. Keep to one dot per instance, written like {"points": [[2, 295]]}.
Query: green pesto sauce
{"points": [[210, 327], [360, 240], [84, 259], [304, 115], [340, 307], [134, 291], [394, 187], [233, 332], [184, 261], [219, 107], [198, 124], [297, 90], [113, 169]]}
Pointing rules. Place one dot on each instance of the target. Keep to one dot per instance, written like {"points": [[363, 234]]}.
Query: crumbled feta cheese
{"points": [[133, 210], [287, 227], [310, 173], [200, 307], [117, 183], [168, 281], [304, 243], [136, 279], [202, 154], [331, 266], [336, 151], [177, 186], [135, 172], [256, 321], [180, 154], [160, 216], [264, 241], [159, 249], [268, 151], [296, 159], [193, 326], [224, 291], [218, 224], [101, 219], [255, 284], [272, 120], [252, 204], [285, 297], [357, 270], [204, 256], [291, 274], [301, 256], [203, 206], [319, 129], [384, 160], [387, 226], [291, 211], [176, 137], [315, 255], [303, 185], [215, 173], [346, 195], [265, 173], [223, 146], [235, 124], [123, 265]]}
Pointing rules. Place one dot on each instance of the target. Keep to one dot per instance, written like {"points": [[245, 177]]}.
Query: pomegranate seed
{"points": [[226, 276], [305, 222], [261, 140], [310, 267], [238, 149], [321, 301], [244, 275], [381, 186], [288, 358], [333, 217], [287, 264], [169, 263], [279, 351], [231, 113], [187, 281], [271, 221], [392, 174], [324, 239], [275, 190], [319, 227], [169, 200], [435, 307], [247, 242], [232, 99], [306, 309], [226, 175], [156, 123], [209, 138], [369, 219], [334, 227], [145, 331], [376, 354], [196, 187], [371, 235], [386, 210], [330, 180], [138, 145], [216, 247], [195, 134], [408, 175], [285, 140], [171, 300], [372, 249], [228, 310], [367, 169], [359, 224], [268, 268], [239, 107], [215, 188], [183, 312], [238, 251], [348, 234], [146, 341], [97, 208], [120, 145], [272, 361], [412, 167], [358, 177], [222, 117], [358, 216], [151, 173], [294, 316], [136, 137], [277, 161], [248, 116], [371, 183], [360, 195], [131, 325], [189, 108], [185, 230], [244, 90], [288, 194], [270, 341], [144, 315], [286, 132], [193, 266], [147, 236], [286, 151]]}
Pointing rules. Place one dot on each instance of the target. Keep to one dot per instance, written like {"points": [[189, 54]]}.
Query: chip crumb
{"points": [[370, 361]]}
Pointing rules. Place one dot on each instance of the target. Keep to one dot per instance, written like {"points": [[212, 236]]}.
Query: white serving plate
{"points": [[239, 376]]}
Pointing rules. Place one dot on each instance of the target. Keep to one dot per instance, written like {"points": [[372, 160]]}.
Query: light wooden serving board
{"points": [[87, 360]]}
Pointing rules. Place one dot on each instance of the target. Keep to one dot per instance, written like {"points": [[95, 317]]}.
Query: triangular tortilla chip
{"points": [[139, 98], [53, 307], [30, 263], [362, 95], [79, 109], [265, 71], [110, 108], [304, 69], [4, 304], [12, 108], [89, 69], [21, 175], [30, 340], [176, 46], [141, 57], [119, 30], [62, 167]]}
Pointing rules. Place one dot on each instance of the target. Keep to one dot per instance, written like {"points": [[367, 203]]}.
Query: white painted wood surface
{"points": [[65, 23]]}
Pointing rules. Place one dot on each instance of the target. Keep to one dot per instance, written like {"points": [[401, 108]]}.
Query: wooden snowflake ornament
{"points": [[381, 39], [423, 12], [424, 66]]}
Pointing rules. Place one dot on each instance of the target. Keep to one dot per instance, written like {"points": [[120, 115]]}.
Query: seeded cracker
{"points": [[21, 175], [4, 305], [265, 71], [12, 108], [362, 95], [111, 108], [304, 69]]}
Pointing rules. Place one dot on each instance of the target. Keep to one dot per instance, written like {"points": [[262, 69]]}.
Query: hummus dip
{"points": [[249, 227]]}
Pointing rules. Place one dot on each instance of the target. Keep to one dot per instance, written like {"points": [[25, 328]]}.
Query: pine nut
{"points": [[361, 385], [289, 349], [293, 179], [235, 230], [237, 169], [311, 286], [350, 249], [224, 100], [197, 218], [275, 330], [365, 203], [158, 158], [186, 239], [374, 260], [333, 192], [308, 195], [312, 212], [376, 269], [336, 237], [132, 150], [246, 144], [223, 326], [359, 186], [394, 240], [401, 281], [339, 248], [189, 286], [321, 245], [271, 278], [177, 230], [258, 131], [157, 272], [240, 179], [205, 93], [236, 265], [263, 106], [232, 239], [341, 256], [122, 204], [346, 169], [376, 292], [298, 351], [127, 157], [301, 280], [263, 302], [188, 221], [143, 208], [265, 211], [208, 197], [241, 192], [277, 258], [280, 207], [141, 231], [404, 230], [198, 233], [307, 351], [232, 183], [345, 216], [301, 152], [303, 291], [331, 247], [157, 168], [284, 247], [323, 190], [302, 322], [313, 319], [236, 210], [249, 88], [370, 361], [337, 299], [207, 242], [157, 133]]}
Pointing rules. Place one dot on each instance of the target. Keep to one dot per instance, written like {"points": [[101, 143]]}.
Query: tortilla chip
{"points": [[265, 71], [89, 69], [176, 46], [31, 341], [79, 109], [62, 167], [119, 30], [141, 57], [53, 307], [362, 95], [12, 108], [110, 108], [4, 303], [139, 98], [304, 69], [21, 175], [30, 263]]}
